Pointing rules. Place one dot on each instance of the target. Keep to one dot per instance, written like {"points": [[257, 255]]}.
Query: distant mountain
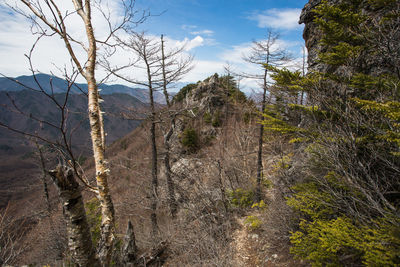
{"points": [[124, 109], [18, 164], [57, 85], [119, 110]]}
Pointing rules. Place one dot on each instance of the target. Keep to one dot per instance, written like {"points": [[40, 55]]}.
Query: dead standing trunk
{"points": [[154, 180], [265, 55], [168, 172], [154, 167], [261, 141], [79, 238], [167, 137]]}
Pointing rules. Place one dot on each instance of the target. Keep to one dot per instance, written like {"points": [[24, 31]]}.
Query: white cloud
{"points": [[286, 19], [50, 52], [236, 53], [188, 27], [16, 39], [203, 69], [191, 44], [203, 32], [234, 58]]}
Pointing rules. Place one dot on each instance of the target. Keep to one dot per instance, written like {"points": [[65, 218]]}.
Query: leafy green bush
{"points": [[260, 205], [241, 198], [253, 222], [283, 163], [311, 201], [323, 242], [190, 139]]}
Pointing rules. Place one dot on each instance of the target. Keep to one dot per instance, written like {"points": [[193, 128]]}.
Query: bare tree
{"points": [[49, 19], [162, 68], [264, 53], [146, 50], [172, 71]]}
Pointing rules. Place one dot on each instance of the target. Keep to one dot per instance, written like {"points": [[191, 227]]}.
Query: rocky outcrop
{"points": [[311, 34], [383, 53], [207, 96]]}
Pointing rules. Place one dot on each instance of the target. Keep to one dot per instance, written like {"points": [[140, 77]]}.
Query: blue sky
{"points": [[216, 32], [224, 23]]}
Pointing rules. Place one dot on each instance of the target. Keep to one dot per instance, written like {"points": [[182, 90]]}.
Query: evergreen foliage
{"points": [[234, 94], [348, 200], [190, 139], [184, 92]]}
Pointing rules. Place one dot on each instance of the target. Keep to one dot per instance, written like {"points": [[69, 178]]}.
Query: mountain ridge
{"points": [[51, 83]]}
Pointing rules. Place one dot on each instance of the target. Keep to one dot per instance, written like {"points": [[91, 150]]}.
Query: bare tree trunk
{"points": [[79, 238], [260, 143], [168, 173], [221, 186], [264, 54], [154, 180], [98, 142], [107, 207], [154, 167], [173, 206]]}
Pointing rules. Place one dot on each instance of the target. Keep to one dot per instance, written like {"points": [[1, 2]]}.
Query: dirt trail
{"points": [[250, 249], [240, 242]]}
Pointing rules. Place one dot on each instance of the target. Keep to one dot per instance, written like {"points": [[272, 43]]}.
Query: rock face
{"points": [[383, 55], [311, 34], [207, 96]]}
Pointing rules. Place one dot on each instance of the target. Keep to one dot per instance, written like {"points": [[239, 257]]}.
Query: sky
{"points": [[216, 32]]}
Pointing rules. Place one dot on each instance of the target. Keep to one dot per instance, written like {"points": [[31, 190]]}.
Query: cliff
{"points": [[382, 55]]}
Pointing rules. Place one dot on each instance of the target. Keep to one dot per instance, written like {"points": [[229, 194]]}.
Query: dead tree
{"points": [[162, 68], [49, 19], [264, 53], [146, 51], [174, 66], [79, 238]]}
